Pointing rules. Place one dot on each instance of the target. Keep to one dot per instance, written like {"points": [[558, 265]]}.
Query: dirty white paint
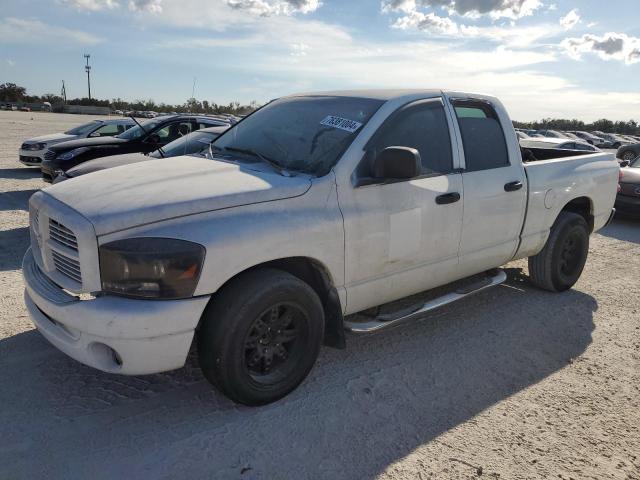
{"points": [[405, 233]]}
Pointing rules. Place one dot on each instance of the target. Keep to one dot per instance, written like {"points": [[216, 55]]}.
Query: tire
{"points": [[560, 263], [628, 155], [239, 351]]}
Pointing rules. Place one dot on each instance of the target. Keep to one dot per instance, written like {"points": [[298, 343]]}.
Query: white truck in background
{"points": [[317, 214]]}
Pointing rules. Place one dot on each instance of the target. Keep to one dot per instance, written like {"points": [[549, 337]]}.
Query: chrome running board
{"points": [[494, 278]]}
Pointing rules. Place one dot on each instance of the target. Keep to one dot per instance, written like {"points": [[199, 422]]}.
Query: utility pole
{"points": [[193, 89], [87, 69], [63, 94]]}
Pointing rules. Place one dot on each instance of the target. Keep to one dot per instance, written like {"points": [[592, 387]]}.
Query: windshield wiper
{"points": [[266, 160]]}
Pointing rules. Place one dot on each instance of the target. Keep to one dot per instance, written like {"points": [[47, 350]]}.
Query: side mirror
{"points": [[94, 134], [153, 138], [397, 163]]}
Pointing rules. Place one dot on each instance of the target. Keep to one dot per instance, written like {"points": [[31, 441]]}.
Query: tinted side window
{"points": [[482, 136], [424, 127], [108, 130]]}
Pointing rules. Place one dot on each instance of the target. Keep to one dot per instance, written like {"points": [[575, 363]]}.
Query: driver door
{"points": [[402, 237]]}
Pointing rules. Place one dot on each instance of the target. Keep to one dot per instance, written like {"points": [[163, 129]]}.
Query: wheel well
{"points": [[582, 206], [317, 277]]}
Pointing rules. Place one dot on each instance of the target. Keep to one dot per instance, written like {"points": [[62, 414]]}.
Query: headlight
{"points": [[72, 153], [40, 146], [151, 267]]}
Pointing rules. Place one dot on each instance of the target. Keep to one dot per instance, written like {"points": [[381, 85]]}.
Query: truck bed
{"points": [[556, 177]]}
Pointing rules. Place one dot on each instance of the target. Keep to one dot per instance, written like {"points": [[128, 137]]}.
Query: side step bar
{"points": [[494, 278]]}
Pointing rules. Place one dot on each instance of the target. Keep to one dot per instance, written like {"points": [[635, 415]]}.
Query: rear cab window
{"points": [[483, 140]]}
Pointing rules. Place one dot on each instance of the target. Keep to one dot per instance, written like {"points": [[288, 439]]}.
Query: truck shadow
{"points": [[361, 409], [624, 229], [13, 244], [16, 200], [20, 173]]}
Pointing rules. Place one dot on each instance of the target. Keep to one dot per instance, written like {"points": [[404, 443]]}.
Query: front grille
{"points": [[50, 155], [67, 266], [62, 235], [35, 216], [24, 158]]}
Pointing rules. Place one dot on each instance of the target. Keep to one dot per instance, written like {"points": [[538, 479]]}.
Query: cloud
{"points": [[266, 8], [570, 20], [10, 62], [429, 22], [21, 30], [150, 6], [513, 9], [610, 46]]}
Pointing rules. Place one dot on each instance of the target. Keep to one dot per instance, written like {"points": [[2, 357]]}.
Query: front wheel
{"points": [[560, 263], [260, 336], [629, 155]]}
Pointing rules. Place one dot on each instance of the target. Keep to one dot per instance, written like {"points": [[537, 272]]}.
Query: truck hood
{"points": [[107, 162], [53, 137], [87, 142], [147, 192]]}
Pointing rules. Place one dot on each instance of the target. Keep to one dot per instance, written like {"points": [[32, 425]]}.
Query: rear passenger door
{"points": [[494, 186]]}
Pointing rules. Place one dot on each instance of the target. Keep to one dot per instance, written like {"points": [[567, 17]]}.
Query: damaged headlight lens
{"points": [[162, 268]]}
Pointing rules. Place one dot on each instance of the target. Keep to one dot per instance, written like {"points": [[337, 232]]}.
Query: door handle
{"points": [[447, 198], [512, 186]]}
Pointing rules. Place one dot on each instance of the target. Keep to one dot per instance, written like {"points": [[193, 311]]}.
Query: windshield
{"points": [[84, 128], [305, 134], [193, 143], [136, 132]]}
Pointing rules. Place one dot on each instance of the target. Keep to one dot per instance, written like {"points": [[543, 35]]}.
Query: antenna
{"points": [[87, 69]]}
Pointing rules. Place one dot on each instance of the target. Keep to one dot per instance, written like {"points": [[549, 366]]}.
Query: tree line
{"points": [[10, 92], [625, 128]]}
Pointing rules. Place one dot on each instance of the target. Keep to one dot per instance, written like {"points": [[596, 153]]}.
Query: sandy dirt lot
{"points": [[514, 383]]}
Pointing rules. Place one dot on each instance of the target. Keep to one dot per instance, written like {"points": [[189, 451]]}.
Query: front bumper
{"points": [[112, 334], [32, 158]]}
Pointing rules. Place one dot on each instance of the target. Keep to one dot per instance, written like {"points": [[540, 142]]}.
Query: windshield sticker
{"points": [[341, 123]]}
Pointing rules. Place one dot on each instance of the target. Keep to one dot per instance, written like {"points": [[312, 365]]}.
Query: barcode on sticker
{"points": [[341, 123]]}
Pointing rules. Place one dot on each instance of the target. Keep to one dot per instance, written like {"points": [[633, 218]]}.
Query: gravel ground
{"points": [[513, 383]]}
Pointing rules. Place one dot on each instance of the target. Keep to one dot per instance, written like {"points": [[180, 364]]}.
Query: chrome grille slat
{"points": [[62, 235], [64, 263]]}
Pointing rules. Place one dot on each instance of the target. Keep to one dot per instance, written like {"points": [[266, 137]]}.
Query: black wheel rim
{"points": [[274, 343], [571, 254], [628, 156]]}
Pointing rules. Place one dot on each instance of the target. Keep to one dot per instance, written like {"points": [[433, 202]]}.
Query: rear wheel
{"points": [[260, 336], [560, 263]]}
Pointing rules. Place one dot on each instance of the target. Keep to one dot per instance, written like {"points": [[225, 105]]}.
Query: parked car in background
{"points": [[551, 134], [628, 198], [194, 143], [522, 135], [144, 138], [589, 138], [32, 150], [629, 152], [314, 211], [614, 140], [559, 144], [571, 136]]}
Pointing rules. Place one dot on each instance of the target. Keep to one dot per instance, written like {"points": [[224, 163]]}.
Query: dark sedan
{"points": [[144, 138], [629, 152], [195, 142], [628, 199]]}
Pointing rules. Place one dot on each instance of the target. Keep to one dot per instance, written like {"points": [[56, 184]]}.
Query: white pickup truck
{"points": [[317, 214]]}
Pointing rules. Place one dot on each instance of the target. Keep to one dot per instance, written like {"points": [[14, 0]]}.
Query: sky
{"points": [[542, 58]]}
